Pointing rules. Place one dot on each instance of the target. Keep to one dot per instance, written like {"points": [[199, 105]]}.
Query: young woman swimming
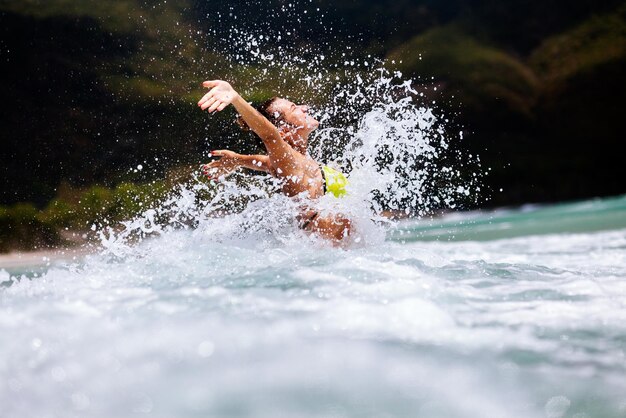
{"points": [[284, 128]]}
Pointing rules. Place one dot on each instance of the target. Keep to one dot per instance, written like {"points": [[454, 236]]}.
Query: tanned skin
{"points": [[286, 157]]}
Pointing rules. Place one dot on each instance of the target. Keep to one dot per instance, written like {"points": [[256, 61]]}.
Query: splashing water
{"points": [[401, 157], [214, 303], [396, 154], [215, 322]]}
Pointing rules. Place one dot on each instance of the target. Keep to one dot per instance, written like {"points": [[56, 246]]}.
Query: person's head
{"points": [[289, 118]]}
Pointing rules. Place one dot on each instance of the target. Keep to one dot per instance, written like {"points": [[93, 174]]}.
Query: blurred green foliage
{"points": [[596, 42], [24, 227], [547, 124], [91, 89], [480, 73]]}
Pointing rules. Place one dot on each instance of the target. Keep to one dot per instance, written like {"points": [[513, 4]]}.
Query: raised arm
{"points": [[230, 161], [221, 94], [254, 162]]}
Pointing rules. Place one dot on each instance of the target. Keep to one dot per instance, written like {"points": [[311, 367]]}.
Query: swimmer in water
{"points": [[284, 128]]}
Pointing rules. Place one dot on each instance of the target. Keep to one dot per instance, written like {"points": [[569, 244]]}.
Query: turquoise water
{"points": [[587, 216], [511, 313]]}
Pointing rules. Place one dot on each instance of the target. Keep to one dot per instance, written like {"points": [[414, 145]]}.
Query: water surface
{"points": [[513, 313]]}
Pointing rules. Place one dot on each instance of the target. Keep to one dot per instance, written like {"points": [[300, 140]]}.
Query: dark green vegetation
{"points": [[91, 89], [548, 121], [24, 227]]}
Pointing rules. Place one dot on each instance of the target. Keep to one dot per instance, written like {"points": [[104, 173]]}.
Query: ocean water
{"points": [[510, 313], [214, 303]]}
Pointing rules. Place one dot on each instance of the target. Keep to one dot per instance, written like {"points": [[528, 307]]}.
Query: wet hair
{"points": [[263, 109]]}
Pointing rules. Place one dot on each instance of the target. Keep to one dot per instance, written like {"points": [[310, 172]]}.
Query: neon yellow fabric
{"points": [[336, 182]]}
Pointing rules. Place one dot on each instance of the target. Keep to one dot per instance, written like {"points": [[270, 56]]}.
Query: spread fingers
{"points": [[208, 103], [215, 105], [205, 98]]}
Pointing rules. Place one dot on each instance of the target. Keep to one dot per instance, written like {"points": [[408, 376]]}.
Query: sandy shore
{"points": [[19, 259]]}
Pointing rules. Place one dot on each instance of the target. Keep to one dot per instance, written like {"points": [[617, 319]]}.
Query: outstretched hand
{"points": [[220, 95], [222, 167]]}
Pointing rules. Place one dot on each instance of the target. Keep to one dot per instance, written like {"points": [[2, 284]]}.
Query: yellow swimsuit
{"points": [[335, 182]]}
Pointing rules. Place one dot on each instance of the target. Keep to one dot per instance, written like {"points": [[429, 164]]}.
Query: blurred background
{"points": [[99, 114]]}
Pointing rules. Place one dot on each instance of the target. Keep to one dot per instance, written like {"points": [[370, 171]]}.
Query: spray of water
{"points": [[187, 324], [400, 154], [395, 150]]}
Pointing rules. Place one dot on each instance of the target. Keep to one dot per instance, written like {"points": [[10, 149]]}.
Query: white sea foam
{"points": [[214, 303], [186, 325]]}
